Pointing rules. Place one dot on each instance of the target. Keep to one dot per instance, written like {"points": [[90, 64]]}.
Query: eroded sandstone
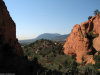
{"points": [[84, 40]]}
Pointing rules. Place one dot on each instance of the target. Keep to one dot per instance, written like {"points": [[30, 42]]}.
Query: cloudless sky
{"points": [[34, 17]]}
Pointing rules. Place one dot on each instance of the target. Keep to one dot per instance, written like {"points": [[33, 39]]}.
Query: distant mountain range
{"points": [[48, 36]]}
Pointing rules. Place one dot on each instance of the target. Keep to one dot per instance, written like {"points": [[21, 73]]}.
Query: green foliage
{"points": [[97, 59], [50, 59], [50, 55], [44, 52], [43, 47], [89, 69], [89, 17], [99, 13], [96, 12]]}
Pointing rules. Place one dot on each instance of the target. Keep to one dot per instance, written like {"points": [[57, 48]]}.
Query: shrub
{"points": [[89, 69], [96, 12], [89, 17], [97, 59]]}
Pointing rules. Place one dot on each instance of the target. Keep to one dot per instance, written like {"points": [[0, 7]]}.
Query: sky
{"points": [[35, 17]]}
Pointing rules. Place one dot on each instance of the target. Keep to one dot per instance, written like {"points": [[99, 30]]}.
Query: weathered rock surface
{"points": [[8, 30], [83, 40], [96, 41]]}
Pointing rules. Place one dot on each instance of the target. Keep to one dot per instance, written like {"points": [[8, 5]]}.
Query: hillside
{"points": [[61, 38], [48, 36], [49, 54]]}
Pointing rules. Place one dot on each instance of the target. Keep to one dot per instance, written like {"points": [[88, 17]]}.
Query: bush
{"points": [[89, 17], [97, 59], [89, 69], [96, 12]]}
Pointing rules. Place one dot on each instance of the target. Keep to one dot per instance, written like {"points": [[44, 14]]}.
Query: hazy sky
{"points": [[34, 17]]}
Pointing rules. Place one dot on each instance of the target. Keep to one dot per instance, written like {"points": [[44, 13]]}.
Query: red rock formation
{"points": [[8, 29], [96, 41], [80, 40]]}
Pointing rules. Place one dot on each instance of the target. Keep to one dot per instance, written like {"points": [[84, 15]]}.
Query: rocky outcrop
{"points": [[84, 40], [8, 30], [12, 60]]}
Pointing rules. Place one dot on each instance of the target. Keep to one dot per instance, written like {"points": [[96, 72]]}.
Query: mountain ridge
{"points": [[48, 36]]}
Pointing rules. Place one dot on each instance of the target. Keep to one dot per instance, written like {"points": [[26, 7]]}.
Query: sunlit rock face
{"points": [[96, 41], [84, 40], [8, 30]]}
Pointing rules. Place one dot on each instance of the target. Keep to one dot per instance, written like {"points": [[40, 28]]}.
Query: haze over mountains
{"points": [[48, 36]]}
